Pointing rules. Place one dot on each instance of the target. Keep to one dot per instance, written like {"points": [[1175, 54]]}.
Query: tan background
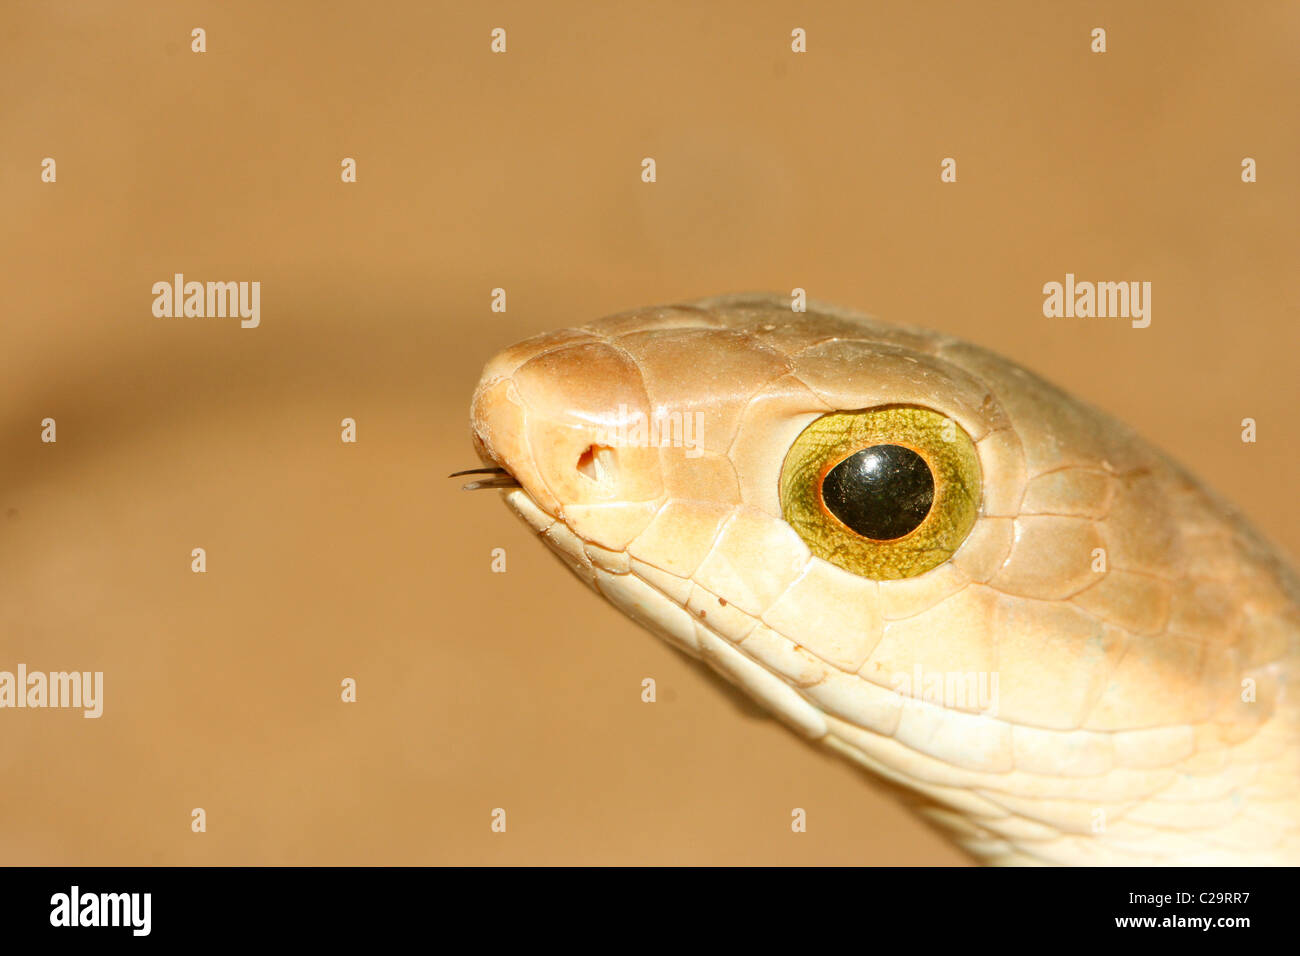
{"points": [[328, 560]]}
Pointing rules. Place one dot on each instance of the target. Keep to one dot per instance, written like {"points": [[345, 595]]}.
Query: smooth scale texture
{"points": [[1145, 707]]}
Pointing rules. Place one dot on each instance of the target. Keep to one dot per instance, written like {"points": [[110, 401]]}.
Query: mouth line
{"points": [[680, 622], [724, 643], [497, 478]]}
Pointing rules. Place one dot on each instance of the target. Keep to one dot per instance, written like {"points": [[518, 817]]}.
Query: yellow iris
{"points": [[862, 468]]}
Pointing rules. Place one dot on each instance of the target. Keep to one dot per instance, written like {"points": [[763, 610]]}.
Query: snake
{"points": [[1052, 641]]}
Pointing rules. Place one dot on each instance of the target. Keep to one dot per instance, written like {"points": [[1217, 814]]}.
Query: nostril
{"points": [[598, 463]]}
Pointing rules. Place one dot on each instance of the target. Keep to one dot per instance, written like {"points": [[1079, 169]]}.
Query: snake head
{"points": [[909, 549]]}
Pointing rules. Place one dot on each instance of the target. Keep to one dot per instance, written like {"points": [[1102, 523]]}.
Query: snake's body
{"points": [[1141, 641]]}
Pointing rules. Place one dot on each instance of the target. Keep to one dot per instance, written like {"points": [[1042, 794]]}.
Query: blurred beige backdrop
{"points": [[325, 560]]}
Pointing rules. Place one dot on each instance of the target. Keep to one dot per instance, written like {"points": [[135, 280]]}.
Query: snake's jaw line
{"points": [[1127, 646]]}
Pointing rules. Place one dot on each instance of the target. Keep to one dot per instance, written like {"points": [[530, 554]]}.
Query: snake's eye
{"points": [[886, 493]]}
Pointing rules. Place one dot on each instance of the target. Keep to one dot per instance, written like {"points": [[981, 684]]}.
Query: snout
{"points": [[555, 411]]}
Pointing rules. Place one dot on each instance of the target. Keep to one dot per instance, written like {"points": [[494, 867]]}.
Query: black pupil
{"points": [[881, 492]]}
